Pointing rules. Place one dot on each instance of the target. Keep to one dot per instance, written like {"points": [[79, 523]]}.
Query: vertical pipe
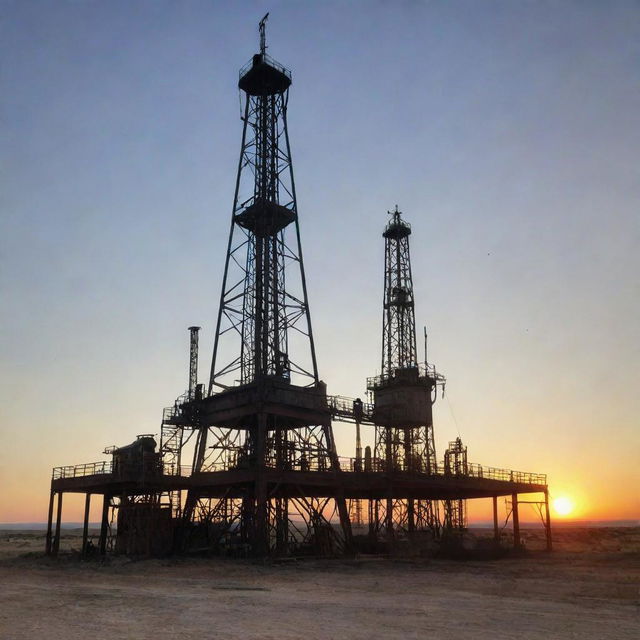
{"points": [[85, 526], [547, 524], [193, 361], [496, 531], [104, 523], [373, 518], [389, 470], [56, 541], [49, 523], [388, 516], [516, 521], [358, 461], [411, 518]]}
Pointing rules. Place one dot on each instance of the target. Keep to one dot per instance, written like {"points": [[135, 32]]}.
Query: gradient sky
{"points": [[507, 132]]}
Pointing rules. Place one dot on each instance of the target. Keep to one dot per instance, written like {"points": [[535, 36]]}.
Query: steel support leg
{"points": [[373, 519], [341, 502], [496, 531], [282, 525], [85, 526], [48, 546], [56, 540], [104, 524], [547, 524], [516, 521], [389, 519]]}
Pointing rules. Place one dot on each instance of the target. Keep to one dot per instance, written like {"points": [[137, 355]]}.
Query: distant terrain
{"points": [[588, 588], [42, 526]]}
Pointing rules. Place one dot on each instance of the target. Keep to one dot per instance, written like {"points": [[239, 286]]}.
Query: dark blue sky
{"points": [[508, 133]]}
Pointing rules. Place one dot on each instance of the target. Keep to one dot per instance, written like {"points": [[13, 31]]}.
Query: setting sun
{"points": [[563, 506]]}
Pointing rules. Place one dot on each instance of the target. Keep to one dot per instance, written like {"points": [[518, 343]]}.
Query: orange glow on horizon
{"points": [[563, 506]]}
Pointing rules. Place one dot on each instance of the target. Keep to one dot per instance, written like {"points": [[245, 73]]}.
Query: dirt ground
{"points": [[588, 588]]}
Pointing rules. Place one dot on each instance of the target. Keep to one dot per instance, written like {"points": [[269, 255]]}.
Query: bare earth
{"points": [[588, 588]]}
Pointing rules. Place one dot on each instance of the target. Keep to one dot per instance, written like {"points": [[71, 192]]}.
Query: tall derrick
{"points": [[266, 412], [403, 394]]}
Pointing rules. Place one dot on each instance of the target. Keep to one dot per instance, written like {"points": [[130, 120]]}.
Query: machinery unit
{"points": [[137, 460]]}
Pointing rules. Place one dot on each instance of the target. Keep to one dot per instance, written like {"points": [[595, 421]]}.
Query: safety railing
{"points": [[395, 222], [471, 470], [175, 411], [506, 475], [348, 409], [321, 463], [80, 470], [408, 374], [268, 60], [171, 469]]}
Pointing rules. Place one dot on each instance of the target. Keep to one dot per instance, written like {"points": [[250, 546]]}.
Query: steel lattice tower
{"points": [[398, 320], [403, 393], [264, 297], [266, 412]]}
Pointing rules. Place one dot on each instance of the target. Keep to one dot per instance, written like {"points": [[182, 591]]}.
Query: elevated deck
{"points": [[237, 407], [478, 482], [373, 483]]}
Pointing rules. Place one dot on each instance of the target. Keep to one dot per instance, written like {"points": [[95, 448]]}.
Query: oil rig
{"points": [[247, 464]]}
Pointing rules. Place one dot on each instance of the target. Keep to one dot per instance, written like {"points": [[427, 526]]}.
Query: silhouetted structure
{"points": [[403, 397], [266, 412], [265, 477]]}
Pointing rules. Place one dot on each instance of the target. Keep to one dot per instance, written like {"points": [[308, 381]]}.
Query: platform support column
{"points": [[496, 531], [516, 521], [49, 523], [411, 515], [56, 540], [261, 522], [374, 519], [85, 526], [104, 524], [388, 515], [341, 503], [389, 518], [547, 523]]}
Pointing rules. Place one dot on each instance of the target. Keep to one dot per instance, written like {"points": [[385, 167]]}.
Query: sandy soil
{"points": [[588, 588]]}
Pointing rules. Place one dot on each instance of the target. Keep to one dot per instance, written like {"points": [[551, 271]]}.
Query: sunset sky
{"points": [[507, 132]]}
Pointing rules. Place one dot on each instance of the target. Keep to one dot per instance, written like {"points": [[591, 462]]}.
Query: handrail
{"points": [[176, 410], [270, 61], [471, 470], [171, 469], [344, 407], [103, 467], [423, 369]]}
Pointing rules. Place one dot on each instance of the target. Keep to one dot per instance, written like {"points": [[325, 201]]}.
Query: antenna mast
{"points": [[425, 346], [263, 38]]}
